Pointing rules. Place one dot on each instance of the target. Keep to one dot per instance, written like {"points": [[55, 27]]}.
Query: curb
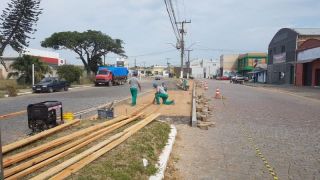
{"points": [[164, 157], [194, 113]]}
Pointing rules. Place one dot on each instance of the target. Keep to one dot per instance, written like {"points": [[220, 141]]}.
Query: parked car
{"points": [[237, 79], [50, 84], [224, 78]]}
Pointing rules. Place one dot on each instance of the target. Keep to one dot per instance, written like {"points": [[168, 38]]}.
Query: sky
{"points": [[217, 26]]}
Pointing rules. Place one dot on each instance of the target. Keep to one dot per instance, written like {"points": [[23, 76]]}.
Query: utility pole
{"points": [[32, 74], [168, 64], [135, 64], [188, 64], [182, 32]]}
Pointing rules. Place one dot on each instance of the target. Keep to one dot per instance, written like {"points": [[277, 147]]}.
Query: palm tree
{"points": [[22, 67]]}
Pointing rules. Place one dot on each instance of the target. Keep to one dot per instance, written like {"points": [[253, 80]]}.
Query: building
{"points": [[308, 63], [282, 53], [228, 64], [249, 61], [204, 68], [52, 59], [8, 61]]}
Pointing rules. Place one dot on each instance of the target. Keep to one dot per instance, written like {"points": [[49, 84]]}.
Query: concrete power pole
{"points": [[188, 73], [182, 32]]}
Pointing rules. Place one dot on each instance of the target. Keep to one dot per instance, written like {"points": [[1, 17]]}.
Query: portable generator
{"points": [[44, 115]]}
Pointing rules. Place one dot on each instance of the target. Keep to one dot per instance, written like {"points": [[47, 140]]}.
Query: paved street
{"points": [[73, 100], [259, 134]]}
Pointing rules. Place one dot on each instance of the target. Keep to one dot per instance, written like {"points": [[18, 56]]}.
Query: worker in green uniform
{"points": [[134, 85], [161, 93]]}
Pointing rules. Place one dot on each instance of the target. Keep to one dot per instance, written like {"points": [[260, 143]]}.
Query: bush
{"points": [[12, 90], [70, 73]]}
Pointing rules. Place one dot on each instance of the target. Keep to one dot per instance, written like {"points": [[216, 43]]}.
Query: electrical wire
{"points": [[172, 21]]}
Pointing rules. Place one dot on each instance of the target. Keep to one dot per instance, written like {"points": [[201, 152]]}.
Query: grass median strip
{"points": [[125, 161]]}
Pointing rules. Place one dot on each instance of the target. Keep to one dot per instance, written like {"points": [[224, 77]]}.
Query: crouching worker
{"points": [[161, 93]]}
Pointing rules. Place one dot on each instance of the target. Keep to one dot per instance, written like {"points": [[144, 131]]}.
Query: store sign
{"points": [[309, 55], [279, 58]]}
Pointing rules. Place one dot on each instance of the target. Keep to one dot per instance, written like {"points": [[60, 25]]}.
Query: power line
{"points": [[153, 53], [172, 20]]}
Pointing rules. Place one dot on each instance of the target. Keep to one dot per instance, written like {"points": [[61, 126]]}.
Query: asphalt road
{"points": [[73, 101], [259, 134]]}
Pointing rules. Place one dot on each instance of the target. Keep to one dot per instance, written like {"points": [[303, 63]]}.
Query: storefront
{"points": [[308, 64]]}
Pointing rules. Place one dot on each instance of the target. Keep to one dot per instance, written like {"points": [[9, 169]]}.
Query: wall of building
{"points": [[315, 66], [299, 75], [228, 63]]}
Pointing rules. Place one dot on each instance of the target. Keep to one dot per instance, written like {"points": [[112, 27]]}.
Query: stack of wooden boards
{"points": [[29, 161]]}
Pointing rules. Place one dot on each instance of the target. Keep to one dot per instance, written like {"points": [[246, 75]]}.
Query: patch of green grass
{"points": [[2, 93], [125, 161]]}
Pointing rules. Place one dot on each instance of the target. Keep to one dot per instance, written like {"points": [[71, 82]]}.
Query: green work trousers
{"points": [[164, 99], [134, 93]]}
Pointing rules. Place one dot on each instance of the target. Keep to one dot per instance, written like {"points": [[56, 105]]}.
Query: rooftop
{"points": [[307, 31]]}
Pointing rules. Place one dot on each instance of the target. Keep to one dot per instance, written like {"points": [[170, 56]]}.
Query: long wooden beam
{"points": [[28, 140], [45, 159], [94, 152], [49, 145]]}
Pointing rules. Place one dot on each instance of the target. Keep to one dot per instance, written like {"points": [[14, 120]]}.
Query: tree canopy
{"points": [[17, 23], [70, 73], [22, 67], [90, 45]]}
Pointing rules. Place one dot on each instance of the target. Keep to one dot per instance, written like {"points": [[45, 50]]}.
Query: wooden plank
{"points": [[44, 147], [52, 156], [102, 145], [82, 163], [28, 140]]}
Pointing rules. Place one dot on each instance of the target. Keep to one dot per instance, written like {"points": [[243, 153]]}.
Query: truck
{"points": [[109, 75]]}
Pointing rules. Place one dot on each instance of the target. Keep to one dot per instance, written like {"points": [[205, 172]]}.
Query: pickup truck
{"points": [[109, 75], [237, 79], [50, 84]]}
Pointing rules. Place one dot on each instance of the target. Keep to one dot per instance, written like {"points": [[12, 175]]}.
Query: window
{"points": [[283, 49]]}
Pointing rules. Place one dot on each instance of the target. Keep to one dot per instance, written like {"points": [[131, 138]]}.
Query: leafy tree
{"points": [[89, 45], [16, 24], [70, 73], [22, 67]]}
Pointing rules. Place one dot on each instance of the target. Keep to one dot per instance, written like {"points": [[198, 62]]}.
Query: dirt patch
{"points": [[181, 108]]}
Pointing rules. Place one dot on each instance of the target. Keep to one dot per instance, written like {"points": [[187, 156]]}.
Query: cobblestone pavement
{"points": [[75, 100], [305, 91], [259, 134]]}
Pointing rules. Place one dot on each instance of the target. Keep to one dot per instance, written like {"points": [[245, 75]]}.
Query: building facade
{"points": [[248, 62], [282, 53], [308, 63], [228, 64], [204, 68]]}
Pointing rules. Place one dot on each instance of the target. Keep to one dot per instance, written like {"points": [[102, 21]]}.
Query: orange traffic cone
{"points": [[217, 96]]}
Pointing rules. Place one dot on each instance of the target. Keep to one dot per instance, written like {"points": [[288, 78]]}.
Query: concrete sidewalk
{"points": [[259, 134], [304, 91]]}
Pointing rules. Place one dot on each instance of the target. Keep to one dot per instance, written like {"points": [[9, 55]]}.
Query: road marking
{"points": [[5, 116], [259, 153]]}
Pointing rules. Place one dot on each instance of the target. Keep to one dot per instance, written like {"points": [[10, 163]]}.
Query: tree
{"points": [[16, 25], [22, 67], [70, 73], [89, 45]]}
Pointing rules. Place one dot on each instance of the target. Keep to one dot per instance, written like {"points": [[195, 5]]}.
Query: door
{"points": [[317, 79], [291, 74]]}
